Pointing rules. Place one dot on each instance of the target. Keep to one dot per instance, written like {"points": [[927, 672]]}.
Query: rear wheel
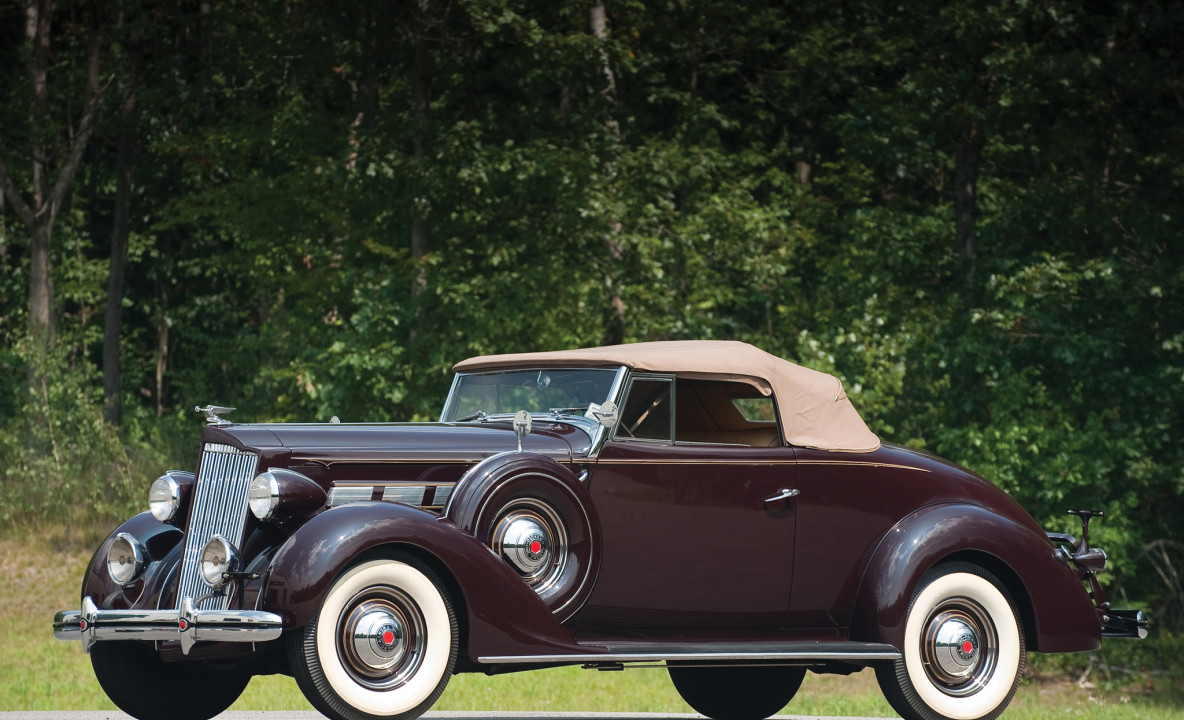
{"points": [[737, 693], [383, 644], [963, 649], [146, 687]]}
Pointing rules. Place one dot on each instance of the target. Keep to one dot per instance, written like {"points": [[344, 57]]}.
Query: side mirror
{"points": [[605, 414], [522, 425]]}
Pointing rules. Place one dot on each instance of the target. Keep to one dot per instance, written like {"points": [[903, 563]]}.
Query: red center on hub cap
{"points": [[388, 638], [536, 547], [967, 647]]}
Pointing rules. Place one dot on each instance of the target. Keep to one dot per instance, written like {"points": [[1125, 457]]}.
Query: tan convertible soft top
{"points": [[814, 409]]}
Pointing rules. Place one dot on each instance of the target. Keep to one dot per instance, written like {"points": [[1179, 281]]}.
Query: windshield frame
{"points": [[597, 433]]}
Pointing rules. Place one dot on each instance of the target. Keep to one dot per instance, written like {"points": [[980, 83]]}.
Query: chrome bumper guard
{"points": [[188, 625], [1124, 623]]}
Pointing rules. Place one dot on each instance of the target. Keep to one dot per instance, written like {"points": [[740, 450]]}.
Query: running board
{"points": [[804, 652]]}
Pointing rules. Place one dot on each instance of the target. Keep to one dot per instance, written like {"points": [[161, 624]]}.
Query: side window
{"points": [[649, 410], [716, 412], [756, 409]]}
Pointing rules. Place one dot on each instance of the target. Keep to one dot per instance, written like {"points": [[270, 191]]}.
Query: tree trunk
{"points": [[38, 17], [112, 328], [39, 212], [614, 326], [205, 58], [162, 350], [419, 223], [966, 162]]}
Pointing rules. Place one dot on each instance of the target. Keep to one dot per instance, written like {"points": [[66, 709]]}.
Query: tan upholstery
{"points": [[762, 437]]}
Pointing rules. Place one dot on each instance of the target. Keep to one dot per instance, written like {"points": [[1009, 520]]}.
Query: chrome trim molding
{"points": [[406, 494], [344, 495], [415, 495], [190, 626], [384, 459], [873, 653], [601, 435], [740, 461]]}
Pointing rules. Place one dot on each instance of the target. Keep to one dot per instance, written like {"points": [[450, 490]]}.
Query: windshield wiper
{"points": [[567, 411], [479, 416]]}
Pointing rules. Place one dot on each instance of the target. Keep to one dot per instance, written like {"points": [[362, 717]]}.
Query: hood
{"points": [[328, 443]]}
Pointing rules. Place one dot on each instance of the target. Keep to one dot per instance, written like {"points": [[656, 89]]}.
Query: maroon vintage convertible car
{"points": [[704, 505]]}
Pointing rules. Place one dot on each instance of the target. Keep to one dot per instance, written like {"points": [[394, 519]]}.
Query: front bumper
{"points": [[189, 625]]}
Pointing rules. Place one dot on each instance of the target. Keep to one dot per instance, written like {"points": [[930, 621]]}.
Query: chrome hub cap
{"points": [[959, 648], [532, 539], [382, 638], [524, 543], [378, 637]]}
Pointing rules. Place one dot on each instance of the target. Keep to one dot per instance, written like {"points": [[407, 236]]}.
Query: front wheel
{"points": [[963, 649], [383, 644], [736, 693], [145, 687]]}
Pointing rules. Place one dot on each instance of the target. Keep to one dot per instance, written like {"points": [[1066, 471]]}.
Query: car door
{"points": [[696, 535]]}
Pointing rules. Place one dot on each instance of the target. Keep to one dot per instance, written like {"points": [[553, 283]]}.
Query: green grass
{"points": [[37, 672]]}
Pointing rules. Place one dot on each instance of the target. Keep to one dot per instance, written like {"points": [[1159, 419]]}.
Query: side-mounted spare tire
{"points": [[536, 516]]}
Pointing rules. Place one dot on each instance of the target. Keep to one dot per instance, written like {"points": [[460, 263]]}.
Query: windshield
{"points": [[566, 392]]}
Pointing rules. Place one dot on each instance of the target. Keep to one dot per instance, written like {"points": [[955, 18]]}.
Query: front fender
{"points": [[163, 545], [1058, 614], [504, 616]]}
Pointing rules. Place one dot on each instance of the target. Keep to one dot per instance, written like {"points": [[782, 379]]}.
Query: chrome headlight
{"points": [[218, 557], [164, 498], [264, 495], [280, 494], [125, 559]]}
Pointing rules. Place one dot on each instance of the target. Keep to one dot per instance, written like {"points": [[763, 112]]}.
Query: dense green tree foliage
{"points": [[969, 211]]}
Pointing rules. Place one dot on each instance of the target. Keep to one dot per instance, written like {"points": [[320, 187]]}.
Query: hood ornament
{"points": [[212, 412]]}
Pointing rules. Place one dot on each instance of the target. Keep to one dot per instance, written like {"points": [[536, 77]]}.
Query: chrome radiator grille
{"points": [[219, 508]]}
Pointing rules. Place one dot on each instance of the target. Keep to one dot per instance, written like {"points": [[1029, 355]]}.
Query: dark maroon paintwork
{"points": [[686, 543], [897, 512], [489, 590]]}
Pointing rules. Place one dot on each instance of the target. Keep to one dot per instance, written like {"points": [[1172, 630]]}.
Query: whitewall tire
{"points": [[383, 644], [963, 651]]}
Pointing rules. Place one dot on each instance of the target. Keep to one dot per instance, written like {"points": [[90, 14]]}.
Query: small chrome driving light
{"points": [[125, 559], [218, 558], [164, 498], [264, 495]]}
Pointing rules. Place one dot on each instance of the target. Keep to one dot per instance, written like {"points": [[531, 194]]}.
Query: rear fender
{"points": [[502, 615], [1055, 608]]}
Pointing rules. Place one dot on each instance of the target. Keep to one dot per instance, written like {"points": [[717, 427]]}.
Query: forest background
{"points": [[970, 211]]}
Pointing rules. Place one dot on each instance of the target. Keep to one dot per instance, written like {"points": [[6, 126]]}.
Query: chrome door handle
{"points": [[782, 494]]}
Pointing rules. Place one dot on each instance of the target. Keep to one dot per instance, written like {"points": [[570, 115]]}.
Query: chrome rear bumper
{"points": [[189, 625], [1124, 623]]}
